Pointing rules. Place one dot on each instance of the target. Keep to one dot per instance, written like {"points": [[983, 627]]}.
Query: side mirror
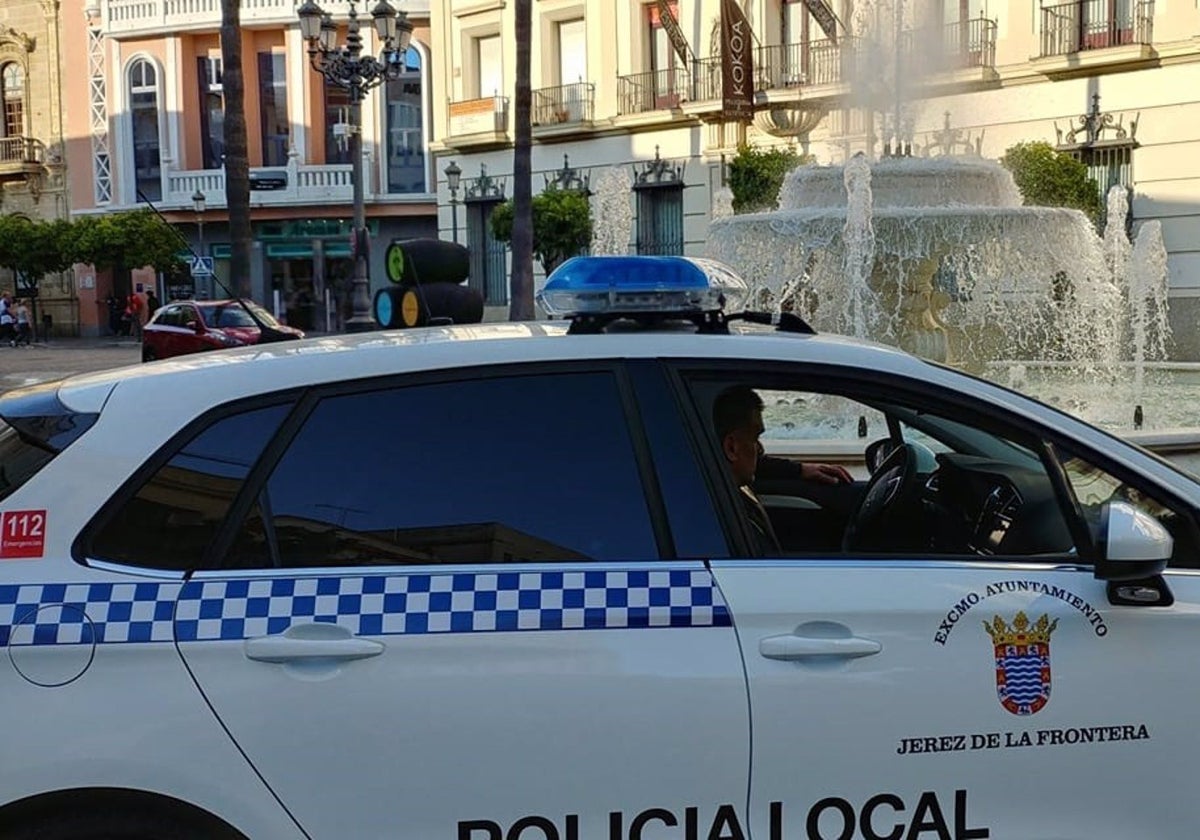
{"points": [[1133, 544], [195, 326]]}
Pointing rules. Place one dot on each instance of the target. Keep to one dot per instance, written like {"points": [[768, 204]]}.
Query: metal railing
{"points": [[969, 43], [564, 104], [819, 62], [1096, 24], [21, 150], [659, 89]]}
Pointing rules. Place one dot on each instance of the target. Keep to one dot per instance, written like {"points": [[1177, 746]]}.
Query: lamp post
{"points": [[453, 175], [347, 68], [199, 203]]}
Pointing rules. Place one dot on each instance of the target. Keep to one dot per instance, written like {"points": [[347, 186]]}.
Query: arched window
{"points": [[404, 103], [12, 91], [143, 113]]}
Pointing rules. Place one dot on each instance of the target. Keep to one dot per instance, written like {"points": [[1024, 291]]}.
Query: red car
{"points": [[192, 326]]}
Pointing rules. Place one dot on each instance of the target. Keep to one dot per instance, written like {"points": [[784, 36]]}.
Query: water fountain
{"points": [[939, 255], [935, 255]]}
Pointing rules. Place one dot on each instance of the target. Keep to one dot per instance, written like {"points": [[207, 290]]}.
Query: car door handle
{"points": [[312, 642], [792, 647]]}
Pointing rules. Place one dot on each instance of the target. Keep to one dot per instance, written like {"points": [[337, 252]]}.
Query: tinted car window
{"points": [[509, 469], [173, 517]]}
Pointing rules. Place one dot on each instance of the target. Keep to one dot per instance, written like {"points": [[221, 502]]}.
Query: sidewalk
{"points": [[45, 361]]}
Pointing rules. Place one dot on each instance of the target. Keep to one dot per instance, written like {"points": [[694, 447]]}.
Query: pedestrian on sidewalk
{"points": [[24, 333], [8, 320]]}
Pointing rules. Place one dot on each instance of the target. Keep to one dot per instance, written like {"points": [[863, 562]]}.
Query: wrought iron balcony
{"points": [[817, 62], [564, 104], [21, 156], [654, 91], [1096, 24], [969, 43]]}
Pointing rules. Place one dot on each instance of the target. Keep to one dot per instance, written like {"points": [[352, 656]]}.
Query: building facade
{"points": [[612, 88], [145, 115], [32, 164]]}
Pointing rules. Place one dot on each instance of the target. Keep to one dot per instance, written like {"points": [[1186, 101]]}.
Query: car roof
{"points": [[229, 374], [198, 382]]}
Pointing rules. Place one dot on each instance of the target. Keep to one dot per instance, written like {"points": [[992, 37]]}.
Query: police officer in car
{"points": [[737, 418]]}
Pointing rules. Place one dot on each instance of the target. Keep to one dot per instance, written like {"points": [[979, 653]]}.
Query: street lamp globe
{"points": [[199, 201], [453, 175], [328, 37], [404, 32], [385, 21], [310, 15]]}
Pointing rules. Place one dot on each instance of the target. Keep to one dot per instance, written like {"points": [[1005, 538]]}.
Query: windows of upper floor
{"points": [[489, 66], [402, 109], [12, 95], [142, 78]]}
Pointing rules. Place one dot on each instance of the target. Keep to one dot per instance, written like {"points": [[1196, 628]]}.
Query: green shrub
{"points": [[755, 176], [1047, 177]]}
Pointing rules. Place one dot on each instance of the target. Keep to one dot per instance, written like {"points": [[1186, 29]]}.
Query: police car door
{"points": [[467, 625], [962, 673]]}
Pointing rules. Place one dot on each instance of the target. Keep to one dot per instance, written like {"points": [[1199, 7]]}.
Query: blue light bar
{"points": [[654, 287]]}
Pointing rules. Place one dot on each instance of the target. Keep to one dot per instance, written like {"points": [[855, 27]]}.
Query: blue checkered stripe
{"points": [[87, 613], [452, 603]]}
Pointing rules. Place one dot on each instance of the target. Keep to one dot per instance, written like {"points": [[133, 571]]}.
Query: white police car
{"points": [[496, 583]]}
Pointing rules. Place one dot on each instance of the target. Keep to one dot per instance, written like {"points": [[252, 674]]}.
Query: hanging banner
{"points": [[670, 25], [737, 64], [824, 17]]}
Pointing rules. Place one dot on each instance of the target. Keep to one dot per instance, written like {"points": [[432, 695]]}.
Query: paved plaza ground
{"points": [[62, 357]]}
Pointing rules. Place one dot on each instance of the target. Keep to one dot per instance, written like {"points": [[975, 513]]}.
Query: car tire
{"points": [[148, 354], [118, 815]]}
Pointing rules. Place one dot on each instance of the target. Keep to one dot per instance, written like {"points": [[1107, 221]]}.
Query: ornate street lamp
{"points": [[453, 174], [347, 68], [199, 204]]}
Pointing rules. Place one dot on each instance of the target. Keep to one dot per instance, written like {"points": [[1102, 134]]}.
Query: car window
{"points": [[174, 515], [965, 489], [523, 468], [231, 315]]}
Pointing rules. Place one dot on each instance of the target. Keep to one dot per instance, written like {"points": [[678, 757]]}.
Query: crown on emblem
{"points": [[1021, 632]]}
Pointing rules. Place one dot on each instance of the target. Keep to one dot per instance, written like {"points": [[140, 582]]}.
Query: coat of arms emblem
{"points": [[1022, 662]]}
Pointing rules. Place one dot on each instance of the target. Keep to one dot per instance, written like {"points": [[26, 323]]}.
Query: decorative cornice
{"points": [[8, 35]]}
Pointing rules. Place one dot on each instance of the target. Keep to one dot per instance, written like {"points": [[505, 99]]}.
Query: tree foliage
{"points": [[124, 240], [562, 225], [35, 248], [755, 176], [1047, 177]]}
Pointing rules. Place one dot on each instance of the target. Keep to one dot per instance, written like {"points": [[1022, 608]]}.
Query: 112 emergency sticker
{"points": [[22, 534]]}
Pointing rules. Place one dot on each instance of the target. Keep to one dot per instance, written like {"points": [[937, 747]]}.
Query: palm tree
{"points": [[237, 160], [520, 306]]}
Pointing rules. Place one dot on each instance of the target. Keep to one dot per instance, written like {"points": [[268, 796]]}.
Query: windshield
{"points": [[234, 315]]}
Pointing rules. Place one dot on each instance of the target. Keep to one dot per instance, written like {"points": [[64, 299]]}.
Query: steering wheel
{"points": [[892, 481]]}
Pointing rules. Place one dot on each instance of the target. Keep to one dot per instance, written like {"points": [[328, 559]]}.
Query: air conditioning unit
{"points": [[268, 179]]}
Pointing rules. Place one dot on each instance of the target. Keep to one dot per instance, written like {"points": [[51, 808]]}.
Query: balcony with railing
{"points": [[269, 186], [21, 157], [810, 64], [1086, 26], [478, 123], [658, 90], [564, 109], [139, 17], [968, 44]]}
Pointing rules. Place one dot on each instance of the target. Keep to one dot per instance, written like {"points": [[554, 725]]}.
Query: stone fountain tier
{"points": [[957, 271], [907, 182]]}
